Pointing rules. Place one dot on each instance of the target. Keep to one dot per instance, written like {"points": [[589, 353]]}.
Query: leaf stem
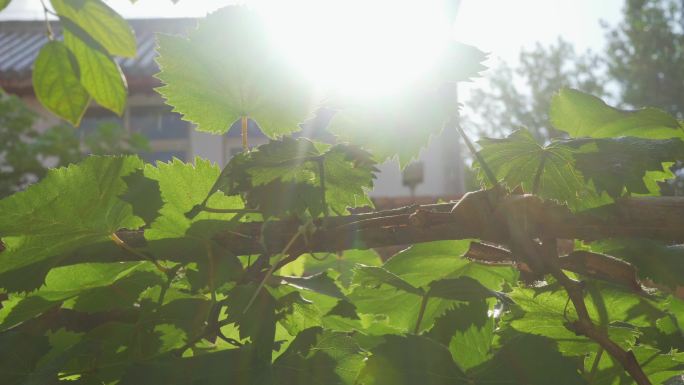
{"points": [[119, 242], [272, 268], [421, 312], [480, 159]]}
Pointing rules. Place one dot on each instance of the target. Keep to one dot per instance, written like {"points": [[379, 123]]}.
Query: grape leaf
{"points": [[216, 368], [411, 359], [182, 186], [401, 123], [416, 267], [468, 331], [318, 356], [342, 264], [57, 85], [214, 78], [423, 263], [546, 314], [86, 285], [20, 352], [616, 164], [460, 289], [101, 22], [530, 360], [256, 322], [283, 177], [72, 207], [580, 114], [373, 276], [320, 283], [144, 196], [643, 253], [99, 74], [548, 171]]}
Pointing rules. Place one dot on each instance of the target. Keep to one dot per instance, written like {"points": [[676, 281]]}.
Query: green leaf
{"points": [[319, 357], [256, 322], [349, 174], [72, 207], [418, 266], [373, 276], [546, 314], [548, 171], [56, 83], [19, 354], [400, 124], [182, 186], [214, 78], [581, 114], [319, 283], [294, 312], [144, 195], [460, 289], [468, 331], [101, 22], [4, 4], [616, 164], [283, 177], [411, 360], [529, 360], [100, 75], [654, 260], [218, 368], [423, 263], [343, 264], [89, 287]]}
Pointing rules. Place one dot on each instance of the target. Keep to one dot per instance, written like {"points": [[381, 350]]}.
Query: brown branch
{"points": [[654, 218], [584, 325]]}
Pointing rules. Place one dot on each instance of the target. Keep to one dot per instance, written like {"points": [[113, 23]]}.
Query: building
{"points": [[438, 173]]}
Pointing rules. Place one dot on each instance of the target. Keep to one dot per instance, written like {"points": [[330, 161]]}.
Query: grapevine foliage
{"points": [[119, 272]]}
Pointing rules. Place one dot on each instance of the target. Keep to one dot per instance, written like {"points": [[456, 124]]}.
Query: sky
{"points": [[500, 27]]}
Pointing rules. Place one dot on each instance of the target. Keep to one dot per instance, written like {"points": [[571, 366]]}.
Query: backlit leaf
{"points": [[404, 360], [99, 74], [72, 207], [580, 114], [56, 83], [101, 22], [214, 78]]}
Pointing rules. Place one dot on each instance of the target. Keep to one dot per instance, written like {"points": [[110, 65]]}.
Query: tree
{"points": [[520, 97], [26, 154], [645, 55], [119, 272]]}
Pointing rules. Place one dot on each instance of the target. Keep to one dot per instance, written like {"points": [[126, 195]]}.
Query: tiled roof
{"points": [[20, 42]]}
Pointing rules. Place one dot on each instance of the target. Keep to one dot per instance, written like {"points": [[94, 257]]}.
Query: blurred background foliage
{"points": [[26, 153], [642, 64]]}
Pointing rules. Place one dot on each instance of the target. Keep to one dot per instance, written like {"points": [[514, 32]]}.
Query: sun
{"points": [[358, 47]]}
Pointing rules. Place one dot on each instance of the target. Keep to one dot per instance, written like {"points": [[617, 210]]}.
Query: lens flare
{"points": [[358, 47]]}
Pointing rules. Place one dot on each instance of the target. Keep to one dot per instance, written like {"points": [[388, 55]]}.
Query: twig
{"points": [[272, 269], [119, 242], [584, 325], [46, 11]]}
